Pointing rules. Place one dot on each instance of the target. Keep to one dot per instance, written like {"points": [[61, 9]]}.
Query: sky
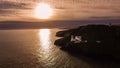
{"points": [[23, 10]]}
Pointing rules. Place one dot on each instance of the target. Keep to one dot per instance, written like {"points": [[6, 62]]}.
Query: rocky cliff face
{"points": [[95, 39]]}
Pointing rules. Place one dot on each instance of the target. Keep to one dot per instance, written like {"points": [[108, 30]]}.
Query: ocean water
{"points": [[34, 48]]}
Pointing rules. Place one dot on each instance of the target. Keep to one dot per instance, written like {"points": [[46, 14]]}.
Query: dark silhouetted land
{"points": [[91, 40], [52, 24]]}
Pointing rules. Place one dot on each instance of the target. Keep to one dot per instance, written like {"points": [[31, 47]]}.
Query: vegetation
{"points": [[94, 40]]}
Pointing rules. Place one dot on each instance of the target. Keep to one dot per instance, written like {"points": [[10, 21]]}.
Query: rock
{"points": [[60, 33], [95, 40], [60, 42]]}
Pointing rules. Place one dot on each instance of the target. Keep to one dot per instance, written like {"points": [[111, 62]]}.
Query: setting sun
{"points": [[43, 11]]}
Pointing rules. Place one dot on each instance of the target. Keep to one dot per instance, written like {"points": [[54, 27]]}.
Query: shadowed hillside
{"points": [[91, 40]]}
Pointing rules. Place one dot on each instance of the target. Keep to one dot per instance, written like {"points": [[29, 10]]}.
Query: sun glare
{"points": [[44, 35], [43, 11]]}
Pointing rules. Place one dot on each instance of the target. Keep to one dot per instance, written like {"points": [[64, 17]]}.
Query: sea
{"points": [[34, 48]]}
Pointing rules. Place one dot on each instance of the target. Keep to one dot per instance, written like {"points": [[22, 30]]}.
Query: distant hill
{"points": [[53, 24]]}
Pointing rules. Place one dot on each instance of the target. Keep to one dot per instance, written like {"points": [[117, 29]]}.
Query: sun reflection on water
{"points": [[44, 35]]}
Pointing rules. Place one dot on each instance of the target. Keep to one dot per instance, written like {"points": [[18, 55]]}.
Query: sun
{"points": [[43, 11]]}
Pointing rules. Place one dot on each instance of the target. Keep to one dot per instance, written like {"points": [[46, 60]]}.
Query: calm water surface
{"points": [[34, 48]]}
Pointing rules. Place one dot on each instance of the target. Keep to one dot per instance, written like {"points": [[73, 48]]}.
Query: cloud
{"points": [[11, 8], [64, 9], [12, 5], [105, 17], [5, 12]]}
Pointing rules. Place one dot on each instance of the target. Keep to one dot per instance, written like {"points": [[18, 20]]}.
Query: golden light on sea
{"points": [[44, 35]]}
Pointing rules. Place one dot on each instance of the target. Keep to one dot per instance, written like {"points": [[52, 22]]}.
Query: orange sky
{"points": [[23, 10]]}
